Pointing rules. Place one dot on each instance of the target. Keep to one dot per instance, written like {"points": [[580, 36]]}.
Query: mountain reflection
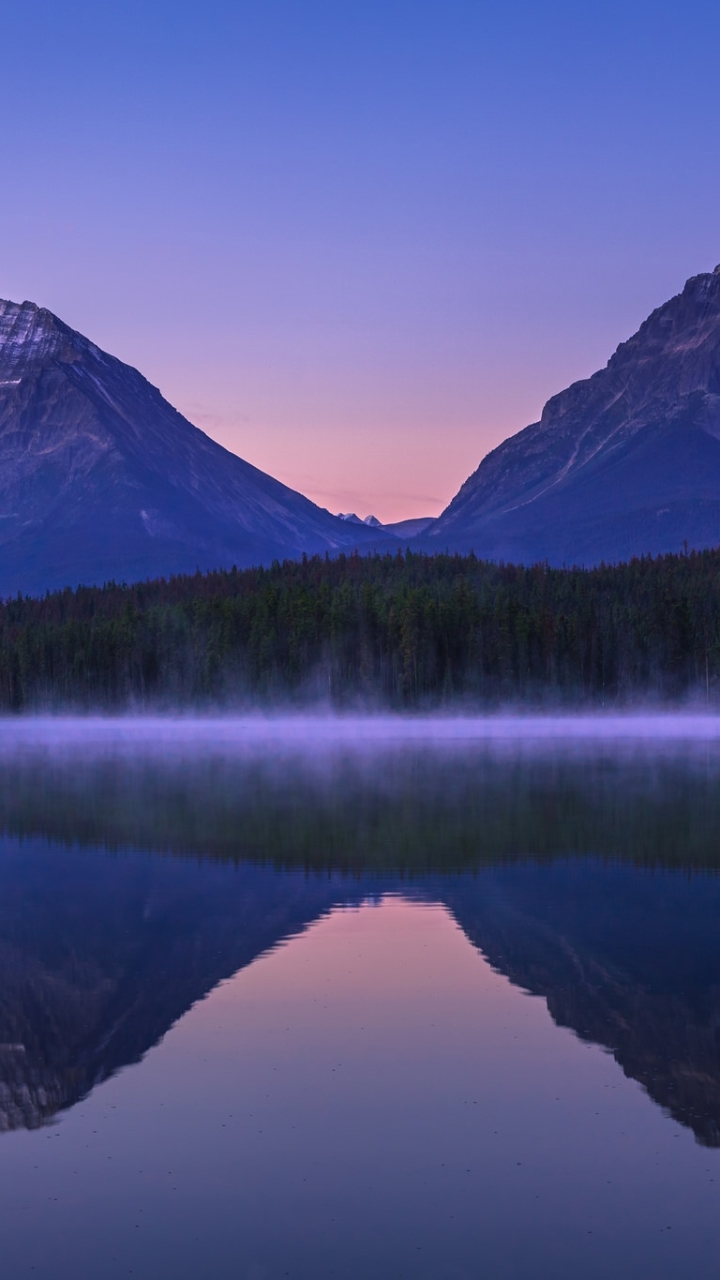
{"points": [[629, 960], [101, 955], [589, 882]]}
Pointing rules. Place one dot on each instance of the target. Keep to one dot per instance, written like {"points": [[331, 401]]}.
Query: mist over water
{"points": [[316, 995], [381, 793], [318, 731]]}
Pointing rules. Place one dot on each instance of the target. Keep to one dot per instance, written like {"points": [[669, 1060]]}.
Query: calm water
{"points": [[360, 1000]]}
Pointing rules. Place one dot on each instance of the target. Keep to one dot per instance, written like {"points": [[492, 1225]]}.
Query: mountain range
{"points": [[101, 478]]}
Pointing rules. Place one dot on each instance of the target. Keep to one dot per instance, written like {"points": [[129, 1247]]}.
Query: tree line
{"points": [[408, 630]]}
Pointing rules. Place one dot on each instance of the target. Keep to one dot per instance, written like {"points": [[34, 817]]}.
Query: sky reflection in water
{"points": [[429, 1009]]}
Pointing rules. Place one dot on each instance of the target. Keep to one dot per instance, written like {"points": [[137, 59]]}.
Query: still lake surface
{"points": [[360, 999]]}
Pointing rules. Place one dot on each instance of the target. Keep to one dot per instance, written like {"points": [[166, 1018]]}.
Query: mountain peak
{"points": [[29, 335], [24, 314]]}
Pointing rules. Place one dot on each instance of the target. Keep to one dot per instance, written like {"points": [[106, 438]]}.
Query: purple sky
{"points": [[359, 244]]}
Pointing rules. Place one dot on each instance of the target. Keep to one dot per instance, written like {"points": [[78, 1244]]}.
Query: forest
{"points": [[400, 631]]}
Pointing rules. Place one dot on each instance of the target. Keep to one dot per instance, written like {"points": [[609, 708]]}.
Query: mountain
{"points": [[410, 528], [623, 463], [351, 518], [101, 478], [371, 521]]}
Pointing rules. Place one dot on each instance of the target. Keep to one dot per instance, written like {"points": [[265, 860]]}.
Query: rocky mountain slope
{"points": [[101, 478], [623, 463]]}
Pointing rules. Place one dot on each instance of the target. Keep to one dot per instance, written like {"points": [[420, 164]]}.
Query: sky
{"points": [[359, 243]]}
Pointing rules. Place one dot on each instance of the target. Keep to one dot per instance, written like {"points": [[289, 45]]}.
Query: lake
{"points": [[360, 998]]}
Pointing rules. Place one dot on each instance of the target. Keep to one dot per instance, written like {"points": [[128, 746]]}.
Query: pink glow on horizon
{"points": [[391, 432], [364, 420]]}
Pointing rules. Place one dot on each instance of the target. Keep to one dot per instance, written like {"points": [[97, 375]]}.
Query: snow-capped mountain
{"points": [[403, 529], [371, 521]]}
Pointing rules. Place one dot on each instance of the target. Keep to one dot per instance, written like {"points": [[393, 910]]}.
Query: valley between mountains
{"points": [[101, 479]]}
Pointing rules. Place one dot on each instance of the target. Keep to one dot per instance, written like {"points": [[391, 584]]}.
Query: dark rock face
{"points": [[624, 463], [101, 478]]}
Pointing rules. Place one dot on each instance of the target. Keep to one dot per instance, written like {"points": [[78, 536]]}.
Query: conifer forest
{"points": [[398, 631]]}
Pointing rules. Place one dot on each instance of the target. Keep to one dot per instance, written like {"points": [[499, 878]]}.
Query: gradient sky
{"points": [[359, 243]]}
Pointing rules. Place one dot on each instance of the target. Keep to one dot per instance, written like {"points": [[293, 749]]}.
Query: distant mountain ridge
{"points": [[101, 478], [624, 463], [404, 529], [371, 521]]}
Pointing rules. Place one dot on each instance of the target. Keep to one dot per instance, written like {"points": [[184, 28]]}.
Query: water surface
{"points": [[360, 999]]}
